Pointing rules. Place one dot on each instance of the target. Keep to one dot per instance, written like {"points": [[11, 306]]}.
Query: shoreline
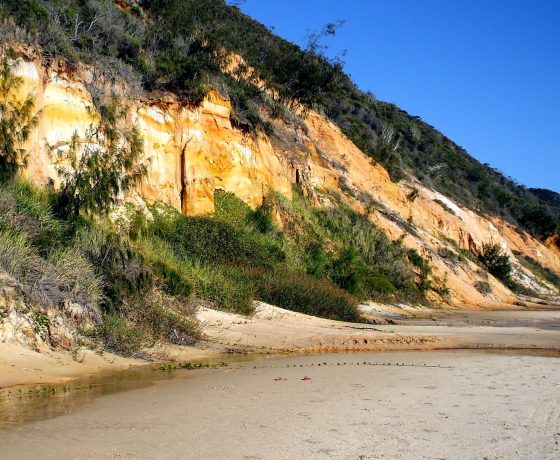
{"points": [[273, 331], [350, 405]]}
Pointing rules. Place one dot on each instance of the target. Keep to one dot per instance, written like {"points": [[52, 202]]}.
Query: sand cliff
{"points": [[192, 151]]}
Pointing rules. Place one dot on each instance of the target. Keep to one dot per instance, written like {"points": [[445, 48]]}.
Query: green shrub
{"points": [[306, 294], [162, 317], [173, 281], [352, 230], [65, 275], [26, 208], [496, 261], [316, 259], [210, 240], [123, 269], [379, 284], [120, 336], [348, 271], [423, 267], [227, 288]]}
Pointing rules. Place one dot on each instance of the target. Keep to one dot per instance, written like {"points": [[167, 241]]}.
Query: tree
{"points": [[17, 119], [99, 167]]}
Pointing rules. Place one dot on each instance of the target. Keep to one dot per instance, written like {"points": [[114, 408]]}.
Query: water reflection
{"points": [[39, 402], [24, 404]]}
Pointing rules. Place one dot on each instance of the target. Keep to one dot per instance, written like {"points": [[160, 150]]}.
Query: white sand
{"points": [[472, 405]]}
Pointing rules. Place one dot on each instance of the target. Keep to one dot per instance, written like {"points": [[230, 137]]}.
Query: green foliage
{"points": [[209, 240], [371, 245], [96, 169], [227, 288], [423, 267], [17, 117], [119, 335], [307, 294], [26, 210], [493, 258], [380, 284], [348, 271], [161, 317], [122, 268], [316, 259], [64, 276]]}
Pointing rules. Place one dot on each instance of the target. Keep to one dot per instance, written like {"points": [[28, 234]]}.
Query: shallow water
{"points": [[442, 404], [24, 404], [28, 403], [539, 319]]}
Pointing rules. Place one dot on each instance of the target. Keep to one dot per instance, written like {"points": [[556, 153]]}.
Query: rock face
{"points": [[193, 151]]}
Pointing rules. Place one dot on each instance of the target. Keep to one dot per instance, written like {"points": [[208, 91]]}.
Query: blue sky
{"points": [[485, 73]]}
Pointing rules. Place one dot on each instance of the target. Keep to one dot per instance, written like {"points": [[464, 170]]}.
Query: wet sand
{"points": [[274, 330], [444, 404]]}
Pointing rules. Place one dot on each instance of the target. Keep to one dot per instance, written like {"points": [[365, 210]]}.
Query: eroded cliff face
{"points": [[193, 151]]}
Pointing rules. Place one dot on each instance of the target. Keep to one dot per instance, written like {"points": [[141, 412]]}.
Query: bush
{"points": [[120, 336], [26, 209], [316, 259], [123, 269], [162, 317], [173, 281], [483, 287], [66, 275], [379, 284], [493, 258], [306, 294], [423, 267], [348, 271], [211, 240], [379, 254], [227, 288]]}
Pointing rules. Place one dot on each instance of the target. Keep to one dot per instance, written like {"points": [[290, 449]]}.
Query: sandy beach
{"points": [[273, 330], [410, 405], [300, 387]]}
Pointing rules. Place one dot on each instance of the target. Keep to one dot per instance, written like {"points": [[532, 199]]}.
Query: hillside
{"points": [[250, 169]]}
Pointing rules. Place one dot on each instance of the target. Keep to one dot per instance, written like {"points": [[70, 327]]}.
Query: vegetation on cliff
{"points": [[186, 45], [141, 273]]}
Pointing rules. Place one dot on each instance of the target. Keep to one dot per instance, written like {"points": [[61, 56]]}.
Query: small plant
{"points": [[120, 336], [379, 284], [483, 287]]}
